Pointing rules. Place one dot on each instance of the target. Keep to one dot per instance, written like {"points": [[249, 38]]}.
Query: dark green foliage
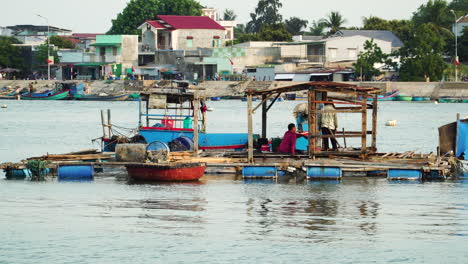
{"points": [[421, 57], [463, 46], [229, 15], [459, 6], [276, 32], [266, 13], [138, 11], [295, 25], [401, 28], [10, 56], [316, 29], [365, 63], [61, 42], [334, 22], [41, 55], [435, 12]]}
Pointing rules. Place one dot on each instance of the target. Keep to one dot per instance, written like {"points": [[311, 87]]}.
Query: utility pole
{"points": [[48, 45], [456, 45]]}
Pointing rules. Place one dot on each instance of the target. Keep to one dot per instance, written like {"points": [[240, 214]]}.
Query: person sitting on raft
{"points": [[288, 144]]}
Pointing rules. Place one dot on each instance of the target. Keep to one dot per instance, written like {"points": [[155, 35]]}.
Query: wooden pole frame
{"points": [[364, 125], [312, 121], [250, 128], [374, 122], [196, 111], [264, 116]]}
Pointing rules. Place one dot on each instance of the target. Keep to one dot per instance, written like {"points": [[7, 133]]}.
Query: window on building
{"points": [[332, 52], [189, 43], [114, 51], [352, 53], [102, 51]]}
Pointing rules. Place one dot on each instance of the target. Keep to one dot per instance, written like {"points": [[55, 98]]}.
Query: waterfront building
{"points": [[228, 25], [35, 35], [457, 28]]}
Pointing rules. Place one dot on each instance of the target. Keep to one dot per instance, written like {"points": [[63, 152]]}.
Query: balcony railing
{"points": [[91, 57], [316, 58]]}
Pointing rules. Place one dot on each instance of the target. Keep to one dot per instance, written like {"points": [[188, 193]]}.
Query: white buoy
{"points": [[391, 123], [4, 106], [435, 102], [210, 109]]}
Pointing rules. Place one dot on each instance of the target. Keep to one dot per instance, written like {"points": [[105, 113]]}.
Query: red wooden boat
{"points": [[166, 172]]}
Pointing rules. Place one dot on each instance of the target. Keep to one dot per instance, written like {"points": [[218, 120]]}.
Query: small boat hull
{"points": [[122, 97], [403, 98], [56, 96], [166, 172]]}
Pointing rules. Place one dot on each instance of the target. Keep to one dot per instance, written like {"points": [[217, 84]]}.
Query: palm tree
{"points": [[317, 28], [229, 15], [334, 22]]}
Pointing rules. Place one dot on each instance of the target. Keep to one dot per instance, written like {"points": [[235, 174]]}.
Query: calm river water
{"points": [[223, 219]]}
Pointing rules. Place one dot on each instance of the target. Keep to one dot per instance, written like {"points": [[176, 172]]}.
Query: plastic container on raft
{"points": [[75, 173], [327, 173], [259, 172]]}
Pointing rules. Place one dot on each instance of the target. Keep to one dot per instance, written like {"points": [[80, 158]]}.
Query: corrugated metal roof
{"points": [[375, 34], [155, 24]]}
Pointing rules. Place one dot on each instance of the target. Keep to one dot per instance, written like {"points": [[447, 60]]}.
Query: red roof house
{"points": [[181, 33]]}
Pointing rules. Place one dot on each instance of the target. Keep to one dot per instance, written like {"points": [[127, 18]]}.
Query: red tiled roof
{"points": [[155, 24], [191, 22]]}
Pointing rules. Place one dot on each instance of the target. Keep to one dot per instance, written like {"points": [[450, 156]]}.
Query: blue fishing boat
{"points": [[217, 98], [169, 115], [169, 127]]}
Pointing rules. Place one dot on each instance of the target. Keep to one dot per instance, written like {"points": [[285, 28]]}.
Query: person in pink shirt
{"points": [[288, 144]]}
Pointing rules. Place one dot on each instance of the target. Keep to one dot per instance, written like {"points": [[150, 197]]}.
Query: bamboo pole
{"points": [[250, 128], [264, 116], [196, 110], [364, 125], [312, 122]]}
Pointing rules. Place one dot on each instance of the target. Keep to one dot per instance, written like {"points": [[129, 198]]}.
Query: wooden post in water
{"points": [[109, 123], [312, 122], [250, 128], [264, 117], [364, 124], [374, 122], [196, 110], [103, 122]]}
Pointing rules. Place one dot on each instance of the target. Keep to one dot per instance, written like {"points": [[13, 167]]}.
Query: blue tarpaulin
{"points": [[462, 138]]}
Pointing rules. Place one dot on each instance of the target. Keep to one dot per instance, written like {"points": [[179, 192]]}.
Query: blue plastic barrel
{"points": [[18, 174], [187, 142], [404, 174], [257, 171], [323, 173], [75, 173]]}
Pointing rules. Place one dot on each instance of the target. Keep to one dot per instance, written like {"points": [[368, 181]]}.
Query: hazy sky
{"points": [[94, 16]]}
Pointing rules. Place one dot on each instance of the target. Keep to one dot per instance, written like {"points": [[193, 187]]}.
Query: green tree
{"points": [[435, 12], [276, 32], [10, 56], [334, 22], [229, 15], [463, 46], [421, 57], [40, 56], [316, 29], [459, 6], [266, 13], [138, 11], [403, 29], [295, 25], [372, 54], [61, 42]]}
